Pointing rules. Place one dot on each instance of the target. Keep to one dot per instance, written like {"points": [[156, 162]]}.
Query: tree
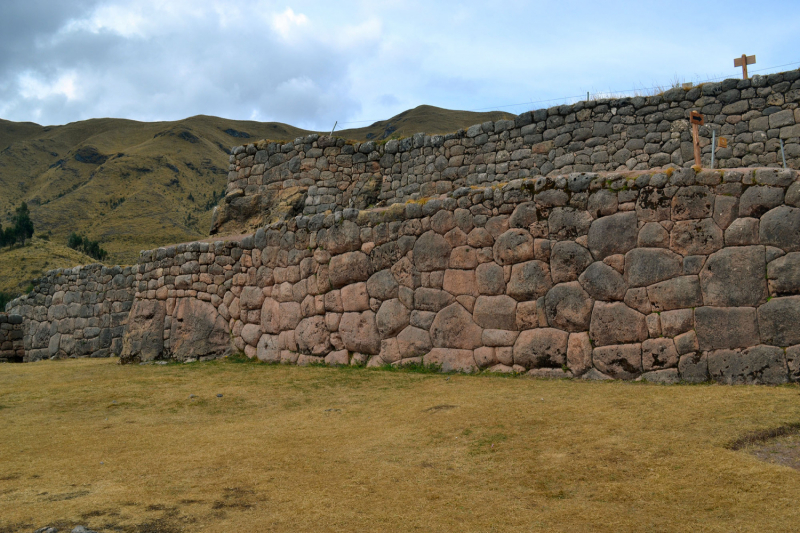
{"points": [[23, 225]]}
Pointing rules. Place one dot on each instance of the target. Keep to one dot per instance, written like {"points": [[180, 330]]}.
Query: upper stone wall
{"points": [[269, 181]]}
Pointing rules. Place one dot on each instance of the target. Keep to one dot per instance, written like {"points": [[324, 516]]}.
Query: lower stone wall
{"points": [[76, 312], [11, 343], [676, 275]]}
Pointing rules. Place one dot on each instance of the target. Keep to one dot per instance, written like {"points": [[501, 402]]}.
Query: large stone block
{"points": [[567, 260], [427, 299], [734, 277], [513, 246], [658, 354], [693, 367], [312, 336], [454, 327], [780, 227], [653, 235], [647, 266], [778, 321], [757, 200], [431, 252], [603, 282], [495, 312], [197, 330], [616, 323], [490, 279], [144, 340], [784, 275], [269, 349], [289, 315], [620, 361], [742, 232], [614, 234], [568, 307], [579, 353], [350, 267], [451, 360], [458, 282], [523, 216], [568, 223], [653, 205], [251, 298], [675, 293], [382, 285], [726, 327], [693, 202], [529, 281], [696, 237], [413, 342], [392, 317], [756, 365], [343, 237], [359, 332], [541, 348]]}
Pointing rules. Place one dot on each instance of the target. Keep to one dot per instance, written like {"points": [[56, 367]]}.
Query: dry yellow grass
{"points": [[18, 266], [126, 448]]}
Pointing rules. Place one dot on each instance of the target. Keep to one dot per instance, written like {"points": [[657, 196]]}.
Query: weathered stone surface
{"points": [[406, 274], [485, 357], [251, 298], [742, 232], [490, 279], [549, 373], [382, 285], [355, 297], [567, 260], [693, 367], [686, 342], [463, 257], [458, 282], [614, 323], [495, 312], [289, 315], [343, 238], [653, 235], [734, 277], [568, 223], [726, 327], [513, 246], [413, 342], [579, 353], [784, 275], [389, 352], [692, 202], [313, 336], [144, 340], [668, 376], [615, 234], [454, 327], [675, 293], [523, 216], [676, 322], [528, 314], [541, 348], [757, 200], [422, 319], [350, 267], [793, 362], [529, 280], [426, 299], [268, 349], [392, 317], [451, 360], [726, 209], [251, 334], [603, 282], [647, 266], [658, 354], [197, 331], [339, 357], [652, 205], [431, 252], [780, 227], [778, 321], [568, 307], [360, 333], [696, 237], [499, 337], [619, 361], [759, 364]]}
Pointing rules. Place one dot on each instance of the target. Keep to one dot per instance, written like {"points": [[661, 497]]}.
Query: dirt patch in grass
{"points": [[779, 445], [155, 449]]}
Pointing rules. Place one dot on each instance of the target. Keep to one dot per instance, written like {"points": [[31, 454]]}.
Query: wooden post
{"points": [[743, 62], [697, 120]]}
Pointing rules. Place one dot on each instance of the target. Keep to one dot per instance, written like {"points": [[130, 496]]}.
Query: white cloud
{"points": [[288, 24], [32, 86]]}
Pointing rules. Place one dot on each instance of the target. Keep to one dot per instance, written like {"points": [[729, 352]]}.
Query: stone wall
{"points": [[11, 343], [672, 275], [76, 312], [315, 174]]}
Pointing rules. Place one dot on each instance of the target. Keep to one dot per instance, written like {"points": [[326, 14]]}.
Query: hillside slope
{"points": [[18, 266], [138, 185]]}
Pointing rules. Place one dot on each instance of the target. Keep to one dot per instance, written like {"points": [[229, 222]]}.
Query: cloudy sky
{"points": [[312, 63]]}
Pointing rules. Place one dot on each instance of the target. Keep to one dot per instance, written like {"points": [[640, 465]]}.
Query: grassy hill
{"points": [[138, 185]]}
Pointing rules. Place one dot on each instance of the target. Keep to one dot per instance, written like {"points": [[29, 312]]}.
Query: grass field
{"points": [[19, 265], [157, 449]]}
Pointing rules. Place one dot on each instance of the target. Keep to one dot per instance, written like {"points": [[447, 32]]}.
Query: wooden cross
{"points": [[743, 62]]}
